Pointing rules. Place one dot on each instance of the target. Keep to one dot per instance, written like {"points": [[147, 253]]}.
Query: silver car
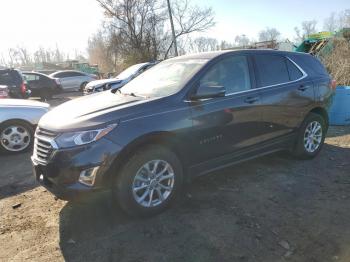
{"points": [[18, 118], [115, 83], [73, 80]]}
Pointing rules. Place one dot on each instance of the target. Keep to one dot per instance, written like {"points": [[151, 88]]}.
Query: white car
{"points": [[115, 83], [18, 119], [73, 80]]}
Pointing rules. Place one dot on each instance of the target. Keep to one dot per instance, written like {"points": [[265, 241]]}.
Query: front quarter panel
{"points": [[173, 121]]}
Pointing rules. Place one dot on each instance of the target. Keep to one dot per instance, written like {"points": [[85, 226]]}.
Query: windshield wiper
{"points": [[133, 94]]}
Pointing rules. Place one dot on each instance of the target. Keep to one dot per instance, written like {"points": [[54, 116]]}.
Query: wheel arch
{"points": [[322, 112], [163, 138], [18, 120]]}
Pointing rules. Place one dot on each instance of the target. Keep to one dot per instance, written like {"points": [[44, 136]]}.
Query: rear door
{"points": [[227, 124], [68, 80], [286, 94]]}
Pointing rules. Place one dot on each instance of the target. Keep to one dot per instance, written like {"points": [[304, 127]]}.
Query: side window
{"points": [[272, 69], [30, 77], [294, 72], [76, 74], [232, 73], [59, 75]]}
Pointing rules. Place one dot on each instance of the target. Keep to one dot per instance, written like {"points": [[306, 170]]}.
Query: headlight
{"points": [[82, 137]]}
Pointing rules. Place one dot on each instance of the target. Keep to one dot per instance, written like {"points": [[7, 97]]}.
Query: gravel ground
{"points": [[274, 208]]}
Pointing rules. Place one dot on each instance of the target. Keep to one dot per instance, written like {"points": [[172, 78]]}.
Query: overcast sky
{"points": [[69, 23]]}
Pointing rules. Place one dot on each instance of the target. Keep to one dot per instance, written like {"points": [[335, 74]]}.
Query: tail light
{"points": [[333, 84], [23, 88]]}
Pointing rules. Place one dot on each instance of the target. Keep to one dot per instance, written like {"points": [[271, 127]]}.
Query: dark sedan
{"points": [[42, 85]]}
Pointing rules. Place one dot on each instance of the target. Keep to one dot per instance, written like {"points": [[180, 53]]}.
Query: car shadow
{"points": [[336, 131], [16, 174], [242, 213]]}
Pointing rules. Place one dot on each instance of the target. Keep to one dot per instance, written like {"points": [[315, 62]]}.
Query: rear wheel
{"points": [[311, 137], [16, 136], [46, 94], [149, 182], [82, 86]]}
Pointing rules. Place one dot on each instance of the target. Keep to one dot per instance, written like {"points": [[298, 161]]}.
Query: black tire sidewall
{"points": [[300, 150], [25, 125], [123, 182]]}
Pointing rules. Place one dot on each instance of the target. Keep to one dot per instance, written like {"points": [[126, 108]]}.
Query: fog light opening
{"points": [[87, 176]]}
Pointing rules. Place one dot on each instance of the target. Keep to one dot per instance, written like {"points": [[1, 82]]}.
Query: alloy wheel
{"points": [[313, 136], [153, 183]]}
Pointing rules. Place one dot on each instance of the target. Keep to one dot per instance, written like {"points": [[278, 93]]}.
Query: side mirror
{"points": [[204, 92]]}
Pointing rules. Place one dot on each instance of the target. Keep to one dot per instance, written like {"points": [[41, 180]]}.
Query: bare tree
{"points": [[203, 44], [331, 23], [189, 19], [309, 27], [269, 34], [225, 45], [138, 23], [103, 50], [242, 40], [344, 19]]}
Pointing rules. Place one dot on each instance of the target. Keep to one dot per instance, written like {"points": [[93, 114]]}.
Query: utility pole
{"points": [[172, 28]]}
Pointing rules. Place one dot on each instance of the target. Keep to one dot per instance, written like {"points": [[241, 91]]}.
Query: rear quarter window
{"points": [[311, 65], [294, 72]]}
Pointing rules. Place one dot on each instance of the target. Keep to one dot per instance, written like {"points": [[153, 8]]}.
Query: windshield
{"points": [[130, 71], [164, 79]]}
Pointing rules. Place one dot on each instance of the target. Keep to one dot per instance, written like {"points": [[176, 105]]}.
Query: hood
{"points": [[90, 111], [98, 83], [22, 103]]}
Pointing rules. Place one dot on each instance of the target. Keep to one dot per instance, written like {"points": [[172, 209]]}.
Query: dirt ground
{"points": [[274, 208]]}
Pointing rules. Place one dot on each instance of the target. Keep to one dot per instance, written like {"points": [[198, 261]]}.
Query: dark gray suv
{"points": [[184, 117]]}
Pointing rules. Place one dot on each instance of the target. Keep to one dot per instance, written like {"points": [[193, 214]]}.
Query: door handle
{"points": [[302, 88], [251, 100]]}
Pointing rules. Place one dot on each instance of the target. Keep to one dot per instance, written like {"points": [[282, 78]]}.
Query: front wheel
{"points": [[15, 136], [312, 134], [149, 182]]}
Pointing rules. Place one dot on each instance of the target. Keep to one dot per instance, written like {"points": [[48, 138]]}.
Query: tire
{"points": [[303, 149], [82, 86], [126, 182], [20, 128], [46, 95]]}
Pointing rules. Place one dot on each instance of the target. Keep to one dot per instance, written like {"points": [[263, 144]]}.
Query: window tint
{"points": [[68, 74], [5, 78], [76, 74], [31, 77], [231, 73], [311, 65], [294, 72], [272, 69]]}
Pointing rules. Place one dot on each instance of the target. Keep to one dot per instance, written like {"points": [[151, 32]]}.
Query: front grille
{"points": [[43, 145], [45, 133]]}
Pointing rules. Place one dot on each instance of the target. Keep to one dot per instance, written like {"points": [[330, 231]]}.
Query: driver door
{"points": [[224, 125]]}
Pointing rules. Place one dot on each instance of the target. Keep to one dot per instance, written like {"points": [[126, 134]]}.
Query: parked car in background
{"points": [[71, 80], [18, 119], [42, 85], [4, 91], [185, 117], [114, 83], [13, 79]]}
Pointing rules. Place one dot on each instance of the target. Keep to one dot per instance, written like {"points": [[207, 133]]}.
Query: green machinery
{"points": [[321, 44]]}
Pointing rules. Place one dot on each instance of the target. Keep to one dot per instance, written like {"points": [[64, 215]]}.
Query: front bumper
{"points": [[60, 175]]}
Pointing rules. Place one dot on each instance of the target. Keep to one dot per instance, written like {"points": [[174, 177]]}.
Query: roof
{"points": [[213, 54]]}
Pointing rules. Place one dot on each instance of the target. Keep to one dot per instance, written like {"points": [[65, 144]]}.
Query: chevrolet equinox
{"points": [[185, 117]]}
